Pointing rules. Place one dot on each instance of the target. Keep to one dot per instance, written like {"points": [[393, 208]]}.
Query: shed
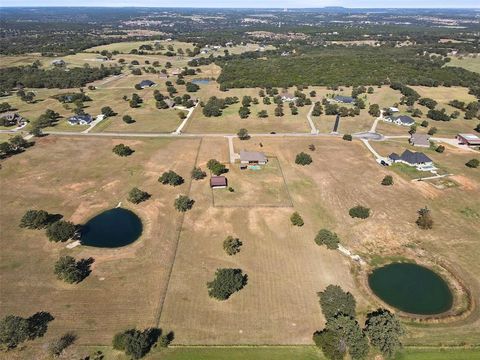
{"points": [[218, 182], [422, 140], [468, 139]]}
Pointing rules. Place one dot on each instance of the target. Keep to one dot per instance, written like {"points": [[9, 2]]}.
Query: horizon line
{"points": [[237, 8]]}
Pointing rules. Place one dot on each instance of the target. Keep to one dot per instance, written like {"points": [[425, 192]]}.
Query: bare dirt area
{"points": [[80, 178]]}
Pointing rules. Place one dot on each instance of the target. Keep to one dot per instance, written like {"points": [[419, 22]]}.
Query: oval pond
{"points": [[112, 228], [411, 288]]}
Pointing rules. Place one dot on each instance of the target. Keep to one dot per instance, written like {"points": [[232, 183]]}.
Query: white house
{"points": [[403, 120], [393, 109], [421, 161], [84, 119]]}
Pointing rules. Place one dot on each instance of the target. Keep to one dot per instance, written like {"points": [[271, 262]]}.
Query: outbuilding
{"points": [[422, 140], [218, 182], [468, 139], [253, 157]]}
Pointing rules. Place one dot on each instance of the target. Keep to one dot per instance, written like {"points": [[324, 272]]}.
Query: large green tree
{"points": [[226, 282], [334, 300], [385, 331]]}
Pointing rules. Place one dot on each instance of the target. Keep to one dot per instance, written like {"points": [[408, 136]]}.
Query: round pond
{"points": [[112, 228], [411, 288]]}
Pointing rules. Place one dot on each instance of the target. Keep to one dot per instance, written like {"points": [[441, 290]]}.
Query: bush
{"points": [[198, 174], [303, 159], [347, 137], [171, 178], [232, 245], [35, 219], [61, 231], [136, 196], [128, 119], [136, 343], [359, 212], [56, 347], [473, 163], [122, 150], [296, 219], [387, 180], [72, 271], [226, 282], [327, 238], [440, 149], [424, 220], [183, 203]]}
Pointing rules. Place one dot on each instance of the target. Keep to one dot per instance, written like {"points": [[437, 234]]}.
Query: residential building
{"points": [[12, 119], [83, 119], [146, 84], [402, 120], [343, 99], [253, 157], [418, 159], [287, 97]]}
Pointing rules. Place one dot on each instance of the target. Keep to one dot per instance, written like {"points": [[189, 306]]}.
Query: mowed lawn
{"points": [[78, 178]]}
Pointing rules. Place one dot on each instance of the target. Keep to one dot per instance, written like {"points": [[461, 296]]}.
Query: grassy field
{"points": [[469, 63], [126, 47]]}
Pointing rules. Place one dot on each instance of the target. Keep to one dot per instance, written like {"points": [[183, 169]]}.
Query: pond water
{"points": [[411, 288], [112, 228], [201, 81]]}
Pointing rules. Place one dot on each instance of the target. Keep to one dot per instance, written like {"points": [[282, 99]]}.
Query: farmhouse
{"points": [[253, 157], [84, 119], [287, 97], [343, 99], [419, 160], [468, 139], [146, 84], [422, 140], [218, 182], [403, 120], [11, 119]]}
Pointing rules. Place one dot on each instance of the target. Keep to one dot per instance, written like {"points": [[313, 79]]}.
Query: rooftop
{"points": [[252, 156]]}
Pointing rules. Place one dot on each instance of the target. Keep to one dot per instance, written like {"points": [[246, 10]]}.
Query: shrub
{"points": [[226, 282], [296, 219], [440, 149], [347, 137], [473, 163], [387, 180], [231, 189], [232, 245], [136, 343], [61, 230], [424, 220], [57, 346], [72, 271], [432, 131], [171, 178], [122, 150], [359, 212], [303, 159], [183, 203], [327, 238], [128, 119], [136, 196], [198, 174]]}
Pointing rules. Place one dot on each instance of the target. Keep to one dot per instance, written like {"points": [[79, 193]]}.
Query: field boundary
{"points": [[158, 313]]}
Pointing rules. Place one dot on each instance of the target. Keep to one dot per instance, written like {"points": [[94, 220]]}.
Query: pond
{"points": [[200, 81], [411, 288], [112, 228]]}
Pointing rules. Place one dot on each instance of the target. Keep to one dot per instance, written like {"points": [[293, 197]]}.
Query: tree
{"points": [[349, 331], [216, 167], [61, 231], [136, 343], [359, 212], [183, 203], [279, 111], [264, 114], [296, 219], [334, 300], [347, 137], [72, 271], [226, 282], [57, 346], [232, 245], [171, 178], [35, 219], [128, 119], [198, 174], [424, 123], [477, 128], [432, 131], [331, 344], [440, 149], [327, 238], [424, 220], [374, 110], [136, 196], [122, 150], [473, 163], [317, 109], [243, 134], [191, 87], [14, 330], [384, 331], [4, 107], [303, 159], [387, 180]]}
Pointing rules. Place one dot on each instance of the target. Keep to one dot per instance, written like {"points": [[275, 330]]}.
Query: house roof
{"points": [[404, 119], [420, 139], [344, 99], [287, 95], [77, 118], [169, 102], [415, 157], [252, 156], [394, 156], [218, 181], [146, 83]]}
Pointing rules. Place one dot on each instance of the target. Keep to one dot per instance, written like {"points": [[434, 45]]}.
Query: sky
{"points": [[251, 3]]}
